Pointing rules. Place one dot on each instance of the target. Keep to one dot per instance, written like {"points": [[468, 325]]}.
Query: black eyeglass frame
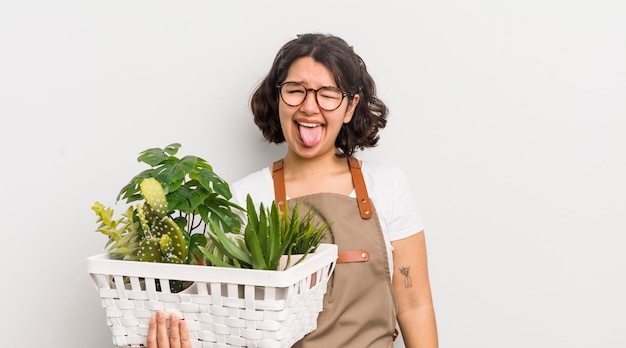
{"points": [[306, 93]]}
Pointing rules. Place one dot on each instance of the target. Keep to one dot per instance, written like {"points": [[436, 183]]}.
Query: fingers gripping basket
{"points": [[224, 307]]}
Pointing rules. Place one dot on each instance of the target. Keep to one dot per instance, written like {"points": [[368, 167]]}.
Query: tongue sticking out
{"points": [[311, 136]]}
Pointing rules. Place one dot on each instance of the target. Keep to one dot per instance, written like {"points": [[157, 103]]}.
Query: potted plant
{"points": [[269, 237], [181, 222], [182, 201], [179, 195]]}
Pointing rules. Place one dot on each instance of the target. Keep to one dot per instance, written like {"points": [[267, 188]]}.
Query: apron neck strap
{"points": [[278, 174], [365, 206], [362, 198]]}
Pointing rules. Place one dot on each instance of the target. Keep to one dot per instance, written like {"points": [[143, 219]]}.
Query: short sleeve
{"points": [[393, 199], [405, 219]]}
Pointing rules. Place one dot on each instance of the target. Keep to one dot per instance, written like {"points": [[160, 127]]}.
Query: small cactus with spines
{"points": [[164, 240], [153, 193]]}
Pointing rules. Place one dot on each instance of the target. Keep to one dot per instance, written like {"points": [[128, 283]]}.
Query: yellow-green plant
{"points": [[124, 239]]}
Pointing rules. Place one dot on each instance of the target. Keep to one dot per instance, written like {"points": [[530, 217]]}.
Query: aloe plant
{"points": [[268, 235]]}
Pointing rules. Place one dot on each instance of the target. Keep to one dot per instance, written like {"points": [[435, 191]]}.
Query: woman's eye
{"points": [[330, 95]]}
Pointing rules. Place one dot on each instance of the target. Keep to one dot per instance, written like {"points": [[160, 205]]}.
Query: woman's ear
{"points": [[351, 107]]}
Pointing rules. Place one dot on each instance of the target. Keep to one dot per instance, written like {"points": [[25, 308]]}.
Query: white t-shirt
{"points": [[386, 185]]}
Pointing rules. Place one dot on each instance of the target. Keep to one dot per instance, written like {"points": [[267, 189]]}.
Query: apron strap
{"points": [[365, 207], [278, 174], [362, 198]]}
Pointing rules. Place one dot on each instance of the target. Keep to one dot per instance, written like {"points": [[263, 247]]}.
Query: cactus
{"points": [[164, 240], [150, 250], [142, 219], [153, 193]]}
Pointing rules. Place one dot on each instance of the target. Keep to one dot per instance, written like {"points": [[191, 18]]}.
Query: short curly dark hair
{"points": [[350, 75]]}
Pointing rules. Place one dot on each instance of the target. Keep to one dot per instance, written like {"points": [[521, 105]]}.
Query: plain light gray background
{"points": [[508, 116]]}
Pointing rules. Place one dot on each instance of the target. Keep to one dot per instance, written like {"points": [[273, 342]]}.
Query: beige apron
{"points": [[359, 305]]}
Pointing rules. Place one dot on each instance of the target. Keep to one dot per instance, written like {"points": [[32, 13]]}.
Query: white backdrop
{"points": [[510, 117]]}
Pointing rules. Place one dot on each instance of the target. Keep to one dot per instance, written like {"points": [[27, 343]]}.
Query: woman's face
{"points": [[310, 131]]}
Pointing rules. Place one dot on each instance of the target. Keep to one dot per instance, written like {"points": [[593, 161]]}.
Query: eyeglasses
{"points": [[327, 98]]}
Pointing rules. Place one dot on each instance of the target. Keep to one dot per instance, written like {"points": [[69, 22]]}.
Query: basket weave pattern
{"points": [[223, 307]]}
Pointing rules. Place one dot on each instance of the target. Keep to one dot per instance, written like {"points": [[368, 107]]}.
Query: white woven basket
{"points": [[224, 307]]}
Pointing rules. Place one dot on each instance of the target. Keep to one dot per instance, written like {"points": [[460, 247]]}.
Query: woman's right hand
{"points": [[158, 336]]}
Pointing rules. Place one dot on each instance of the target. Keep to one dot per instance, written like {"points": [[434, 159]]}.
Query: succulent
{"points": [[221, 258], [124, 238], [268, 235]]}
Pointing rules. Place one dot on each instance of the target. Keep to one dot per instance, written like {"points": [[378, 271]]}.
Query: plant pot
{"points": [[288, 261]]}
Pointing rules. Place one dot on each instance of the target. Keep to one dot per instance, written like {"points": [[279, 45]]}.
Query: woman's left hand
{"points": [[158, 337]]}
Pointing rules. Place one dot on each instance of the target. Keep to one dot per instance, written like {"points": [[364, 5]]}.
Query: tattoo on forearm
{"points": [[406, 272]]}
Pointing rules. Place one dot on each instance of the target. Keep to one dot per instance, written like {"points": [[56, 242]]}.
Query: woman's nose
{"points": [[309, 105]]}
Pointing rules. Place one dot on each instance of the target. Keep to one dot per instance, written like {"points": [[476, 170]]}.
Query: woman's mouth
{"points": [[310, 133]]}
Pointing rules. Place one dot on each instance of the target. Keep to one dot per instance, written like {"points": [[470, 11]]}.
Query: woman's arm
{"points": [[416, 314]]}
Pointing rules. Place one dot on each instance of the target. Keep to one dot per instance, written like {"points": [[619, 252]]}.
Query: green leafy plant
{"points": [[180, 196], [191, 186]]}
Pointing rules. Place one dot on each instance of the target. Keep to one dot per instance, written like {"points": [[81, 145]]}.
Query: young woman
{"points": [[319, 98]]}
